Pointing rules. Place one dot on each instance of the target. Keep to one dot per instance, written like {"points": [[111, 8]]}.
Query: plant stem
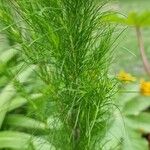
{"points": [[142, 50]]}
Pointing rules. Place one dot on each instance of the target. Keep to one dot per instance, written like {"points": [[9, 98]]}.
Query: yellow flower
{"points": [[126, 77], [145, 88]]}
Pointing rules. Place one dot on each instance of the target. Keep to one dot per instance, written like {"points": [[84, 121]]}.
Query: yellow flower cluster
{"points": [[145, 88], [126, 77]]}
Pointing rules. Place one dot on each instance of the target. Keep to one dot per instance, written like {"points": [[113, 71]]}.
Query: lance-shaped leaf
{"points": [[23, 141], [8, 92], [18, 120], [136, 105], [132, 19], [20, 101]]}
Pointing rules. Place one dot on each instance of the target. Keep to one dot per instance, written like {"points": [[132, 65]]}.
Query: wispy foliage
{"points": [[71, 45]]}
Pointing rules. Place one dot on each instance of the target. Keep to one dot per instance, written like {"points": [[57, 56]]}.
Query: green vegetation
{"points": [[60, 86], [69, 45]]}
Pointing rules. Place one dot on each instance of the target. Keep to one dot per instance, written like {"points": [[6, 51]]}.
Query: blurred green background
{"points": [[127, 52]]}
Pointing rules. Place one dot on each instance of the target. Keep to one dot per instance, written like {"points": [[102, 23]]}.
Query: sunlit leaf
{"points": [[24, 122], [136, 105], [140, 122], [132, 19], [23, 141]]}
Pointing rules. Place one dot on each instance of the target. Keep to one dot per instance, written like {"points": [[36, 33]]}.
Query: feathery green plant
{"points": [[71, 45]]}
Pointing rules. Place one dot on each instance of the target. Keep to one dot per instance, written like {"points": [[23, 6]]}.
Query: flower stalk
{"points": [[142, 50]]}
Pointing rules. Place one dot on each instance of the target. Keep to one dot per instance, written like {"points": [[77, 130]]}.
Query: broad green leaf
{"points": [[5, 96], [20, 101], [140, 122], [24, 122], [115, 133], [134, 141], [23, 141], [138, 19], [9, 91], [132, 19], [136, 105], [7, 55], [14, 140], [115, 17], [128, 93]]}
